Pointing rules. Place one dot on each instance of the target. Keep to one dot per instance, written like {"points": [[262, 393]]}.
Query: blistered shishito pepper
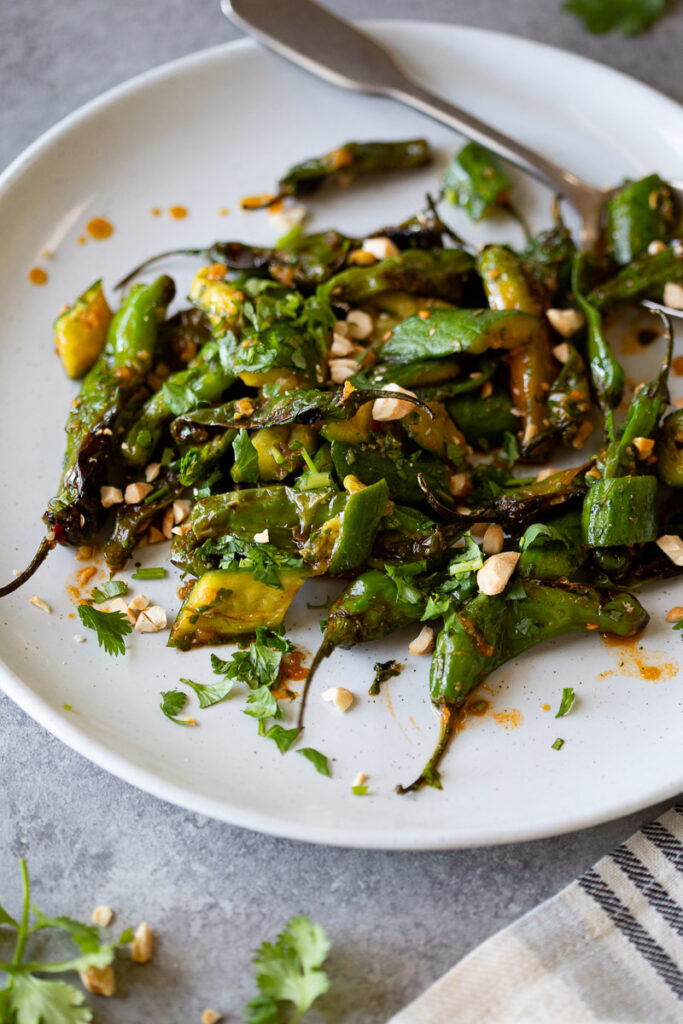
{"points": [[669, 450], [641, 212], [644, 277], [569, 399], [436, 273], [605, 369], [532, 367], [131, 521], [81, 330], [547, 260], [382, 457], [621, 509], [488, 631], [475, 181], [484, 421], [554, 549], [75, 513], [348, 162]]}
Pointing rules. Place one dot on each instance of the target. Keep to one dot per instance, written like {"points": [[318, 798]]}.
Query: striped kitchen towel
{"points": [[609, 947]]}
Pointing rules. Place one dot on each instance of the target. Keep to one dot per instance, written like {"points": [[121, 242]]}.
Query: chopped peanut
{"points": [[493, 576], [151, 620], [84, 553], [675, 614], [672, 546], [135, 493], [138, 604], [181, 510], [360, 779], [381, 248], [102, 916], [154, 535], [341, 346], [644, 446], [101, 981], [117, 604], [673, 295], [39, 603], [211, 1017], [561, 352], [384, 409], [352, 484], [566, 322], [262, 538], [457, 483], [142, 944], [167, 523], [654, 248], [339, 696], [342, 369], [359, 324], [493, 540], [110, 496], [544, 473], [152, 471], [360, 258], [487, 389], [423, 642]]}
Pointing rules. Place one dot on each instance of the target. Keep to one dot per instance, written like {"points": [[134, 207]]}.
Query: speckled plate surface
{"points": [[200, 133]]}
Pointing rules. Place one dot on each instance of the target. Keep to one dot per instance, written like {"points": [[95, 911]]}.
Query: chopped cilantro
{"points": [[263, 560], [210, 695], [259, 664], [679, 626], [467, 559], [510, 447], [180, 398], [111, 627], [289, 971], [246, 468], [144, 438], [567, 701], [262, 704], [172, 703], [318, 760], [384, 670], [515, 591], [109, 589], [283, 737]]}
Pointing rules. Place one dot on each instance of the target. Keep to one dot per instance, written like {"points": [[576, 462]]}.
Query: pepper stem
{"points": [[41, 554], [154, 259], [429, 776], [323, 652]]}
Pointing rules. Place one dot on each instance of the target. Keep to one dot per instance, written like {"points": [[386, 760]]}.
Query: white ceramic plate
{"points": [[203, 132]]}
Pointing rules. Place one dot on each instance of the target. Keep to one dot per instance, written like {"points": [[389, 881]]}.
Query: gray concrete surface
{"points": [[212, 892]]}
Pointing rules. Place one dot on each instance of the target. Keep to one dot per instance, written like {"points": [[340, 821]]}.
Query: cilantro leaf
{"points": [[467, 559], [259, 664], [630, 16], [679, 626], [246, 468], [510, 447], [263, 560], [567, 701], [262, 704], [172, 703], [283, 737], [290, 971], [86, 936], [515, 591], [111, 627], [38, 1001], [210, 695], [109, 589], [180, 398], [318, 760]]}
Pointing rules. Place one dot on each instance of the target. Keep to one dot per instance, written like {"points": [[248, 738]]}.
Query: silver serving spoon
{"points": [[333, 49]]}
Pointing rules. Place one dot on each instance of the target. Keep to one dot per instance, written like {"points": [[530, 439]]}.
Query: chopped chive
{"points": [[359, 790], [149, 574], [159, 493], [67, 707], [558, 744], [167, 457], [309, 461]]}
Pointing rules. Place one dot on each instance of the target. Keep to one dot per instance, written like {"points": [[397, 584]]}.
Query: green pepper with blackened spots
{"points": [[569, 399], [554, 549], [547, 259], [475, 181], [383, 457], [131, 521], [484, 421], [606, 372], [639, 213], [351, 160], [488, 631], [439, 273], [669, 450]]}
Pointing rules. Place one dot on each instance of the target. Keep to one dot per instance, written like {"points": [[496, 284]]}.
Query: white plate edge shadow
{"points": [[98, 752]]}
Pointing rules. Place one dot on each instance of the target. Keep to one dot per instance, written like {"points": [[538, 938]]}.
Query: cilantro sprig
{"points": [[108, 590], [172, 703], [289, 973], [28, 999], [111, 627]]}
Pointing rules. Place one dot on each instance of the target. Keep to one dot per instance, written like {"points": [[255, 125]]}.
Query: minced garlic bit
{"points": [[39, 603], [151, 620], [566, 322], [101, 981], [142, 944], [262, 538], [381, 248], [672, 546], [339, 696], [152, 471], [342, 369], [493, 576], [493, 540], [673, 295], [675, 614], [211, 1017], [110, 496], [102, 916], [181, 510], [135, 493], [384, 409], [359, 324], [423, 642]]}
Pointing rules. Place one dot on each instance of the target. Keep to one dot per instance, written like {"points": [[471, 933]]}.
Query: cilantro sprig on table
{"points": [[289, 974], [28, 999], [631, 17]]}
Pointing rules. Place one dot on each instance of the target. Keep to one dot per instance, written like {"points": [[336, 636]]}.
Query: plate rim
{"points": [[150, 781]]}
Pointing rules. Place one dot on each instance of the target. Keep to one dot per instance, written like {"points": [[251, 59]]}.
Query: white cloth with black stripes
{"points": [[609, 947]]}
